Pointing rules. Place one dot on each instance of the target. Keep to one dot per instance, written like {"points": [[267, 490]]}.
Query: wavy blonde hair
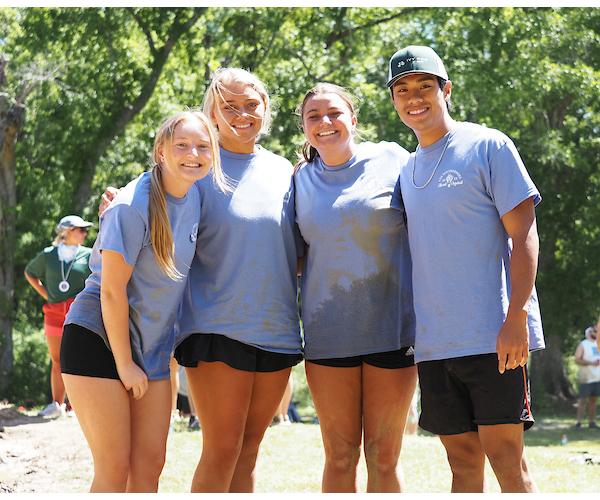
{"points": [[160, 226], [224, 77]]}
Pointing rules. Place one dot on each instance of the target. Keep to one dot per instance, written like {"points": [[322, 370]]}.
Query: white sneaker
{"points": [[53, 410]]}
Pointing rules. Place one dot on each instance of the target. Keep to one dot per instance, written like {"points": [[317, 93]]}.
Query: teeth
{"points": [[331, 132], [242, 126], [417, 111]]}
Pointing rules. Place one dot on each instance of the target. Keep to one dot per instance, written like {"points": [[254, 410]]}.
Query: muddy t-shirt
{"points": [[356, 282]]}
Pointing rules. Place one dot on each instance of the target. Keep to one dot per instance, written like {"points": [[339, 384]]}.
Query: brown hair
{"points": [[309, 152]]}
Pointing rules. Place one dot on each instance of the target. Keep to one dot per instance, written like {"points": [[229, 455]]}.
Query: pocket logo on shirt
{"points": [[194, 234], [450, 178]]}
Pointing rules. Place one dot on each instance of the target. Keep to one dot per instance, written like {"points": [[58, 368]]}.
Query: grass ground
{"points": [[291, 459]]}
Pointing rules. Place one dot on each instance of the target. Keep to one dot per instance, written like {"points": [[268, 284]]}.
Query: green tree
{"points": [[531, 72]]}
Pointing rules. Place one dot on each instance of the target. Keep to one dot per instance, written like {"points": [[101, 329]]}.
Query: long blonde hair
{"points": [[309, 152], [224, 77], [160, 227]]}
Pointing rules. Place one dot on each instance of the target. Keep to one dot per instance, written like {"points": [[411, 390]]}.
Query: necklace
{"points": [[434, 170], [64, 286]]}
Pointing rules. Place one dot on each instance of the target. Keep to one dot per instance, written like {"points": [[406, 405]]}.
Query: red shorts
{"points": [[54, 317]]}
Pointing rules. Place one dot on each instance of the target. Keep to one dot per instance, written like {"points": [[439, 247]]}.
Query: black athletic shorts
{"points": [[211, 347], [402, 358], [460, 394], [83, 352]]}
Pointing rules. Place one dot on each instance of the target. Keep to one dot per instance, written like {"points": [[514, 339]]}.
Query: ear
{"points": [[447, 90]]}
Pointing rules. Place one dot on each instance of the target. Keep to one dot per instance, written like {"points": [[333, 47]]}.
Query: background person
{"points": [[588, 359], [357, 308], [469, 203], [119, 333], [58, 274]]}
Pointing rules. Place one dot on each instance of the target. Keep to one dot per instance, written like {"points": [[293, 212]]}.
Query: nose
{"points": [[326, 120]]}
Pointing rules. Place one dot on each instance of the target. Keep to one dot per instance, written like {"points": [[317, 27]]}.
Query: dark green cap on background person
{"points": [[415, 59]]}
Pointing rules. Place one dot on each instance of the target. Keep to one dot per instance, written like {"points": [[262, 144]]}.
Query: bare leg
{"points": [[149, 430], [592, 408], [267, 391], [56, 382], [102, 407], [174, 368], [467, 461], [581, 409], [284, 405], [336, 393], [234, 408], [387, 396], [504, 447]]}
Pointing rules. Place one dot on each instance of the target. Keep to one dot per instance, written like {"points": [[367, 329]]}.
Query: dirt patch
{"points": [[42, 455]]}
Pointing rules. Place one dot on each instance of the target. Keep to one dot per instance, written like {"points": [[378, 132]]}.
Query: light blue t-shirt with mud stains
{"points": [[460, 249], [153, 297], [356, 282], [243, 281]]}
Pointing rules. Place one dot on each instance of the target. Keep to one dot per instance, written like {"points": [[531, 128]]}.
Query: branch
{"points": [[36, 76], [306, 66], [335, 36], [144, 28]]}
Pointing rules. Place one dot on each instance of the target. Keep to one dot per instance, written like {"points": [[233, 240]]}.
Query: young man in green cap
{"points": [[469, 204]]}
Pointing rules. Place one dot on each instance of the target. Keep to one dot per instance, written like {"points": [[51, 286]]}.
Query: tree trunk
{"points": [[11, 123], [548, 375]]}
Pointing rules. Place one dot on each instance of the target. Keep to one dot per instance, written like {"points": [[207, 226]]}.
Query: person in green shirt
{"points": [[58, 274]]}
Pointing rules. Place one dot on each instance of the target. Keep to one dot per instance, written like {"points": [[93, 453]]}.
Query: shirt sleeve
{"points": [[124, 231], [510, 183], [37, 267]]}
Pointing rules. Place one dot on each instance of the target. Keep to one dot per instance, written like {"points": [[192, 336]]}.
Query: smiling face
{"points": [[238, 114], [421, 105], [187, 157], [329, 125]]}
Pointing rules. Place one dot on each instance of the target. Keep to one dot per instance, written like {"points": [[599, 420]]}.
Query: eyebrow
{"points": [[332, 108], [423, 79]]}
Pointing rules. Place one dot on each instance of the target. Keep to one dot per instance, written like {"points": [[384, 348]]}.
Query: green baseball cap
{"points": [[415, 59]]}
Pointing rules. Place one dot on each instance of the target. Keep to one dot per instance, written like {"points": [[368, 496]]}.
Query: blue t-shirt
{"points": [[356, 282], [459, 247], [243, 280], [153, 297]]}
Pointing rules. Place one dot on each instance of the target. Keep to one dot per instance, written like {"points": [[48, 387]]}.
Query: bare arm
{"points": [[37, 285], [115, 313], [513, 339]]}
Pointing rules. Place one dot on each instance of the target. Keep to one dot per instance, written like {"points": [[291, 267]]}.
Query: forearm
{"points": [[115, 314], [523, 270]]}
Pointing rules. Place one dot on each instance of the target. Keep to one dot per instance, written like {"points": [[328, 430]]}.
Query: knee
{"points": [[382, 455], [224, 452], [114, 472], [465, 459], [343, 457], [147, 469]]}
